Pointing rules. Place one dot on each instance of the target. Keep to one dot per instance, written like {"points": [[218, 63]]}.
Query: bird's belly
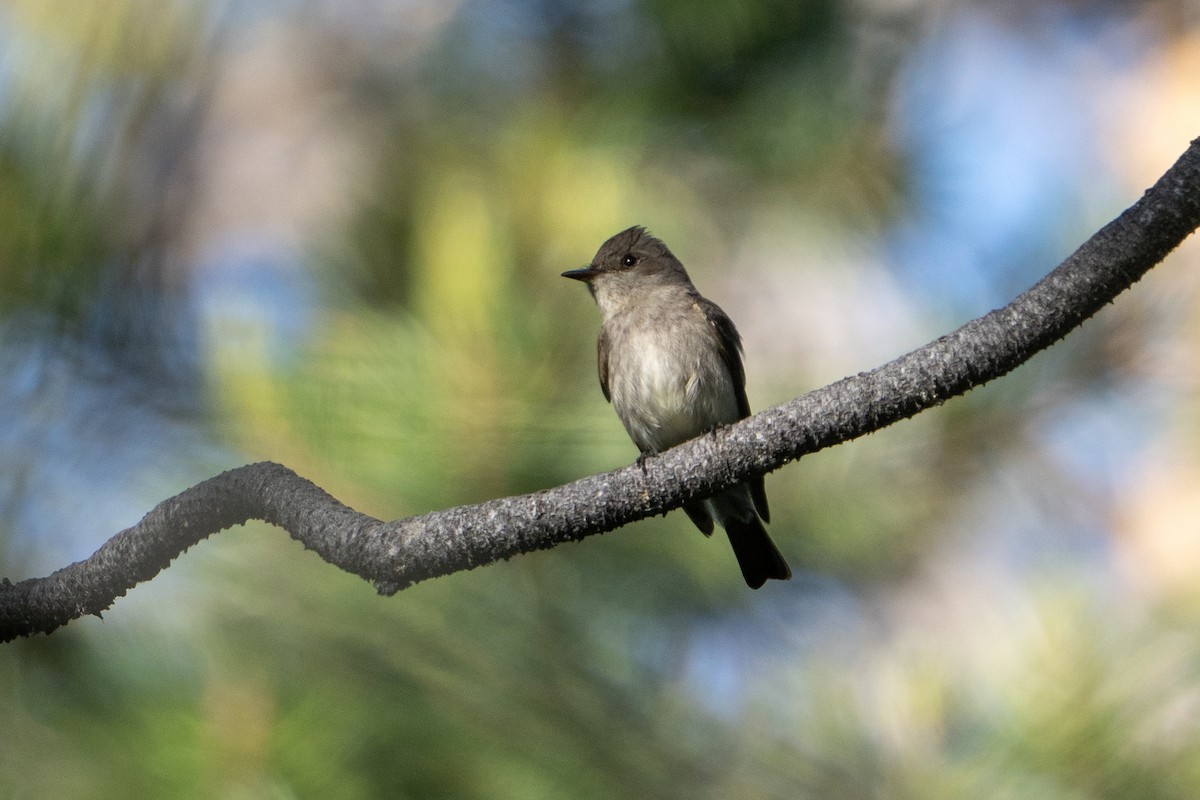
{"points": [[664, 399]]}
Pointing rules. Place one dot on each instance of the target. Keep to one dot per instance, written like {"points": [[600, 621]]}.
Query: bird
{"points": [[670, 362]]}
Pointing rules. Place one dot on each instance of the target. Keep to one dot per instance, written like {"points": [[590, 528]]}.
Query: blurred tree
{"points": [[190, 166]]}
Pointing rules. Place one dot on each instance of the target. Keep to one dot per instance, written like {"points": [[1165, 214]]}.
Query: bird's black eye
{"points": [[629, 260]]}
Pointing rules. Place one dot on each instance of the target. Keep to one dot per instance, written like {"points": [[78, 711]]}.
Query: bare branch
{"points": [[394, 555]]}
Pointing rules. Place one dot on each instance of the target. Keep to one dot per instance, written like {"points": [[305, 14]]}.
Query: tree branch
{"points": [[394, 555]]}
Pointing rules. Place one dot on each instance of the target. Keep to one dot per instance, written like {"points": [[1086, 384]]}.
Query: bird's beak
{"points": [[582, 274]]}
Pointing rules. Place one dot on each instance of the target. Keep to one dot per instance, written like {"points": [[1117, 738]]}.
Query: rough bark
{"points": [[394, 555]]}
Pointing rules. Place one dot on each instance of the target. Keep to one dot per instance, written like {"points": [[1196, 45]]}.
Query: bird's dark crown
{"points": [[630, 248]]}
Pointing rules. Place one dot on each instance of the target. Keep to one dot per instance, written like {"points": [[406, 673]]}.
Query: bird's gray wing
{"points": [[730, 342], [602, 345]]}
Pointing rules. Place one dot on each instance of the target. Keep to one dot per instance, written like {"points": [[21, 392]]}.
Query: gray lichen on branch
{"points": [[394, 555]]}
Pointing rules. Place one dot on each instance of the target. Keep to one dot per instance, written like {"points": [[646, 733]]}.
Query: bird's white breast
{"points": [[669, 383]]}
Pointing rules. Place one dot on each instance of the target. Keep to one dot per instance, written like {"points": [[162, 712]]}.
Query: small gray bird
{"points": [[671, 364]]}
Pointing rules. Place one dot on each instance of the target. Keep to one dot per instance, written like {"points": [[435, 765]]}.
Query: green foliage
{"points": [[449, 364]]}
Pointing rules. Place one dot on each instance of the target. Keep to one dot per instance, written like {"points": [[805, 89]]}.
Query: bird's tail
{"points": [[756, 554]]}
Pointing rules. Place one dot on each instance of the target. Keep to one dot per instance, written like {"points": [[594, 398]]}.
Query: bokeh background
{"points": [[329, 234]]}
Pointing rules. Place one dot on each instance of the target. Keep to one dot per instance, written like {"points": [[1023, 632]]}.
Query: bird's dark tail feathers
{"points": [[757, 555]]}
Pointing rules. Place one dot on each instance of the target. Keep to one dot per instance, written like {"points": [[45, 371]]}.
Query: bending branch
{"points": [[394, 555]]}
